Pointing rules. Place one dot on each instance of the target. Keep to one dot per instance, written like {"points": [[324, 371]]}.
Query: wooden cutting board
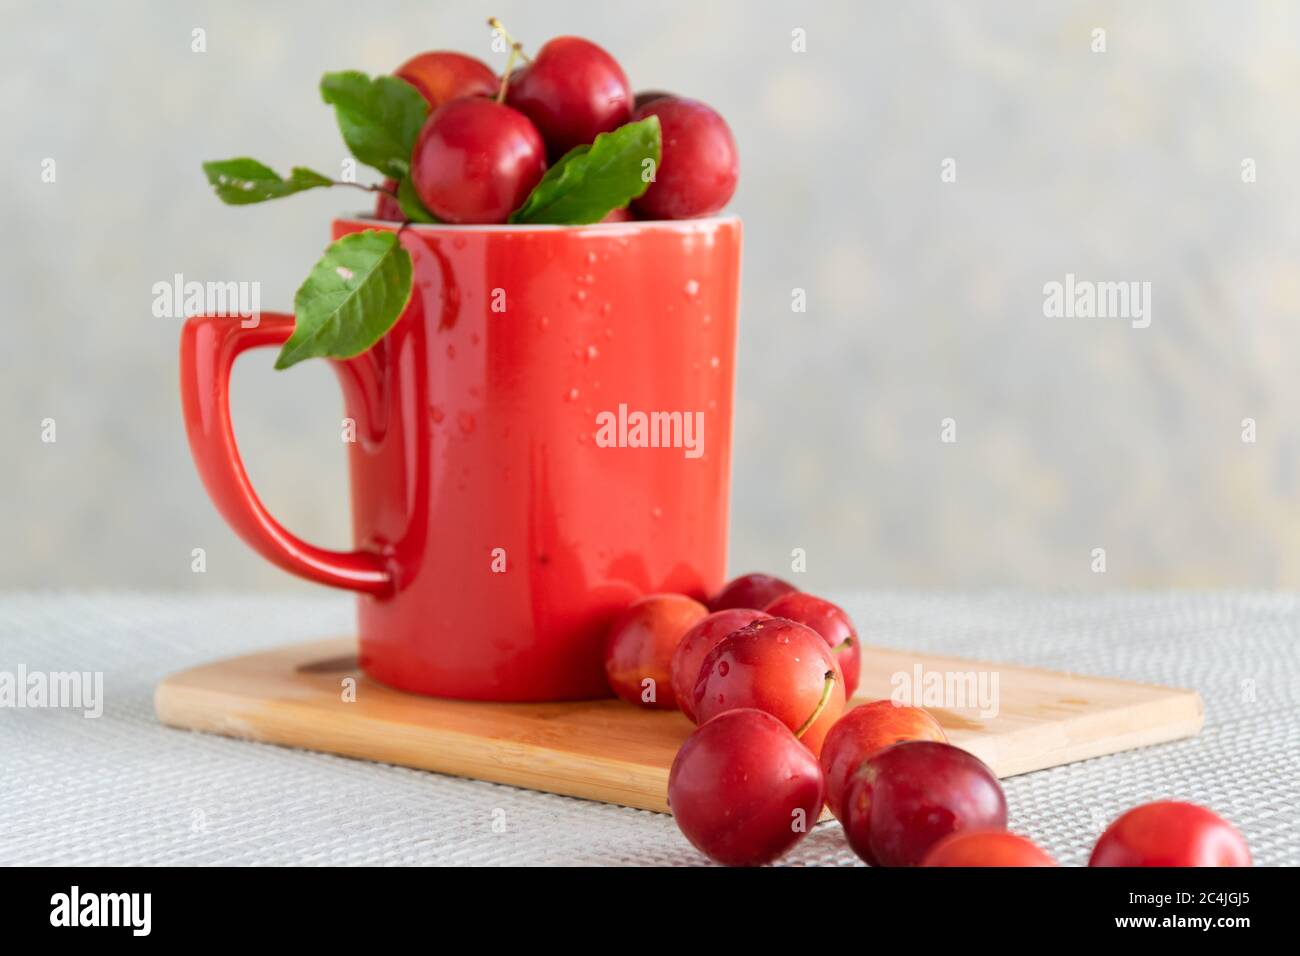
{"points": [[607, 750]]}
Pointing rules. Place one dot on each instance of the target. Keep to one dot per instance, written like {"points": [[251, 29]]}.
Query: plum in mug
{"points": [[542, 437]]}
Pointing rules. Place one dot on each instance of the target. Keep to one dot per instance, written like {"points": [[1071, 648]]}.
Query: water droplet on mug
{"points": [[544, 322], [692, 288], [707, 318], [656, 513], [572, 395], [436, 414], [715, 362], [592, 352], [451, 351], [580, 296], [591, 256], [723, 670], [466, 422]]}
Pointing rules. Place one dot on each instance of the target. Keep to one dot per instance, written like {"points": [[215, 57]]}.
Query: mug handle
{"points": [[209, 346]]}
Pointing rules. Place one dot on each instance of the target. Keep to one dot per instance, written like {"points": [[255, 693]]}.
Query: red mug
{"points": [[543, 436]]}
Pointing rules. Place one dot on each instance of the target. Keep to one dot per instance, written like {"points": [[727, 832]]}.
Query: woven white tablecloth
{"points": [[122, 789]]}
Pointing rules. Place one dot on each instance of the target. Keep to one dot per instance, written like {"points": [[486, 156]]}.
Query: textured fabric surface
{"points": [[122, 789]]}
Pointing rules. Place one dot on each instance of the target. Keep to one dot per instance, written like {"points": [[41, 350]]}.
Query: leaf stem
{"points": [[821, 704], [371, 188]]}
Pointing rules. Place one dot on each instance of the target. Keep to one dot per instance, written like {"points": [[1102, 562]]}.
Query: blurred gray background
{"points": [[925, 298]]}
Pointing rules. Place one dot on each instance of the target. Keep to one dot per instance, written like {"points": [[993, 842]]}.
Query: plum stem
{"points": [[827, 687], [496, 24], [516, 52], [505, 74]]}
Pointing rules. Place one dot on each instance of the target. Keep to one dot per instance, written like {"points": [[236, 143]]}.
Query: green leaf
{"points": [[379, 118], [352, 297], [590, 181], [412, 206], [242, 181]]}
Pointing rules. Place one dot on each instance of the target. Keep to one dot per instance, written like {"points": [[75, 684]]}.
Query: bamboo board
{"points": [[607, 750]]}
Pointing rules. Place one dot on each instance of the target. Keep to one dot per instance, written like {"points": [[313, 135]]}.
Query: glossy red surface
{"points": [[1170, 833], [572, 90], [743, 790], [832, 623], [704, 636], [906, 798], [986, 848], [209, 347], [699, 166], [753, 590], [639, 648], [777, 666], [444, 75], [864, 731], [476, 431], [476, 161]]}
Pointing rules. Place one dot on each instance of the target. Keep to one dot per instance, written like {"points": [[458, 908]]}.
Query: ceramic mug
{"points": [[543, 436]]}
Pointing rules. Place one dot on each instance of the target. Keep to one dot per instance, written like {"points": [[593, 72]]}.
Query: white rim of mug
{"points": [[633, 225]]}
